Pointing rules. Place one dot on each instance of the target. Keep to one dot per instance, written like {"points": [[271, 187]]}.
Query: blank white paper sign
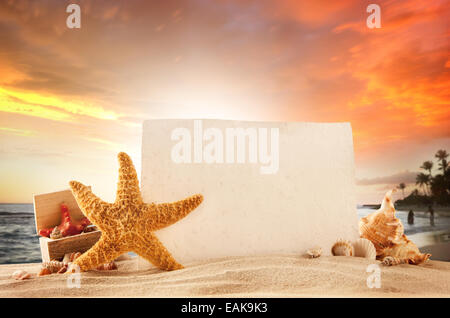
{"points": [[309, 201]]}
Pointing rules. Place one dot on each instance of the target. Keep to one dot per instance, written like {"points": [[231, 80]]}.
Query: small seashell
{"points": [[56, 234], [66, 258], [52, 267], [26, 276], [44, 271], [390, 261], [74, 256], [365, 248], [107, 266], [342, 248], [18, 274], [21, 275], [90, 228], [314, 252], [70, 257], [62, 270]]}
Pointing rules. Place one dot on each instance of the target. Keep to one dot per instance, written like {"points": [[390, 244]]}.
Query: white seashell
{"points": [[66, 258], [314, 252], [365, 248], [342, 248], [21, 275]]}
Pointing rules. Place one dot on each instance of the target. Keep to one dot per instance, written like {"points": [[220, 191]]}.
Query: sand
{"points": [[262, 276]]}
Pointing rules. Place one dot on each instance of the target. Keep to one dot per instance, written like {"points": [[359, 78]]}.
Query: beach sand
{"points": [[262, 276]]}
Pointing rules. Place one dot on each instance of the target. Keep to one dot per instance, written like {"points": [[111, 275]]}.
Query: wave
{"points": [[17, 214]]}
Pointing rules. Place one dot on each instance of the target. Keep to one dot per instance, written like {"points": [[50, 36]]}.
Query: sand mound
{"points": [[262, 276]]}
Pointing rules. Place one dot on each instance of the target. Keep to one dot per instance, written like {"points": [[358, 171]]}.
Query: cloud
{"points": [[293, 60], [50, 107], [17, 132], [397, 178]]}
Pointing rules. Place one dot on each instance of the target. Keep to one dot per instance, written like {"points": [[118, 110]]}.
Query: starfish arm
{"points": [[165, 214], [128, 185], [104, 251], [88, 202], [154, 251]]}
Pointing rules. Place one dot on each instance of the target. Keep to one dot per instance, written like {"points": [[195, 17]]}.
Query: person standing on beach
{"points": [[410, 217], [430, 209]]}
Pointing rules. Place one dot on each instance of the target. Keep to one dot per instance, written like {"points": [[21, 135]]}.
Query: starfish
{"points": [[128, 224]]}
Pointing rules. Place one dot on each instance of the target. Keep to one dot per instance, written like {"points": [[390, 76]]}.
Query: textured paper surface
{"points": [[309, 202]]}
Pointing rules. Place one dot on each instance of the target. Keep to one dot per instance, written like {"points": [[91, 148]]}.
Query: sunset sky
{"points": [[70, 99]]}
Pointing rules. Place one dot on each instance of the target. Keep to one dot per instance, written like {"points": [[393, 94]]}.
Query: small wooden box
{"points": [[47, 213]]}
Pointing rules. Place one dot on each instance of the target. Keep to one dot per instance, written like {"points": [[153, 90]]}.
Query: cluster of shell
{"points": [[382, 238], [56, 233], [53, 267], [60, 267], [385, 231], [361, 248]]}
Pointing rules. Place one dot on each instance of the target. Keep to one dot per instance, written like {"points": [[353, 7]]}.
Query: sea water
{"points": [[19, 242]]}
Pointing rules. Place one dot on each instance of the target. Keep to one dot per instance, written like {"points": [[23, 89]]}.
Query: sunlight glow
{"points": [[50, 107]]}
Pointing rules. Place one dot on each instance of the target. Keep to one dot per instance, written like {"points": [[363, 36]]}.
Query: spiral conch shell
{"points": [[385, 231], [342, 248]]}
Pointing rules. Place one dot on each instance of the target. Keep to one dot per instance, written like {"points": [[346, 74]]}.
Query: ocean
{"points": [[19, 242]]}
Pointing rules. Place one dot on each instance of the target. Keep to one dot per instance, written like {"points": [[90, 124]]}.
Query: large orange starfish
{"points": [[128, 223]]}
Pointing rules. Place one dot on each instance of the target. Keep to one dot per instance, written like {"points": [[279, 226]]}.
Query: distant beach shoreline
{"points": [[423, 208], [19, 242], [414, 208]]}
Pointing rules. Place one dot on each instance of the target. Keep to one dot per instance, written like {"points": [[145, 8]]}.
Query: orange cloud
{"points": [[258, 60], [315, 13]]}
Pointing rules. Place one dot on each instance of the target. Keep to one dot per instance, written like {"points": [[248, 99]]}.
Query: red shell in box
{"points": [[59, 209]]}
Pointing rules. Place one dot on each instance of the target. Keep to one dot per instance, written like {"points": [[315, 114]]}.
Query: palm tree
{"points": [[423, 180], [442, 156], [402, 187], [427, 165], [443, 165], [438, 186]]}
